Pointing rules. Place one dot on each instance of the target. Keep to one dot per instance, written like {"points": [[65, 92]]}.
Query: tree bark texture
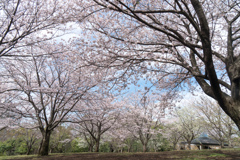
{"points": [[44, 148], [97, 145]]}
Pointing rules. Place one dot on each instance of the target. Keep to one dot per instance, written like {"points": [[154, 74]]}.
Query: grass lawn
{"points": [[224, 154]]}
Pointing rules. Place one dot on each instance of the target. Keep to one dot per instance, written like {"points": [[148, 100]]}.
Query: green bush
{"points": [[104, 147], [21, 148], [76, 148]]}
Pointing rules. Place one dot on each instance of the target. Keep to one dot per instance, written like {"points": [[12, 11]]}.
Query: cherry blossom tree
{"points": [[173, 133], [188, 124], [120, 136], [88, 139], [96, 117], [5, 120], [217, 124], [47, 87], [142, 118], [172, 43], [10, 116], [25, 22]]}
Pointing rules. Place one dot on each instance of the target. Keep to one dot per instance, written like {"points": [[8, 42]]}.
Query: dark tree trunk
{"points": [[130, 148], [29, 150], [174, 146], [230, 105], [97, 145], [111, 148], [90, 148], [30, 145], [144, 147], [235, 114], [189, 145], [43, 151]]}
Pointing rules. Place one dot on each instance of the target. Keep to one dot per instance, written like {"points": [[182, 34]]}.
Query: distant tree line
{"points": [[136, 128]]}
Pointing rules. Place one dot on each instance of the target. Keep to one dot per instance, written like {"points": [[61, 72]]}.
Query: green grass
{"points": [[17, 157], [202, 155], [217, 155]]}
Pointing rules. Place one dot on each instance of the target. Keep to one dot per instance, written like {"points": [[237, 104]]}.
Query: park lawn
{"points": [[167, 155]]}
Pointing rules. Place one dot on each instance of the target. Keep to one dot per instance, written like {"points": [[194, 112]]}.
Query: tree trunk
{"points": [[111, 148], [90, 148], [189, 145], [174, 146], [97, 145], [129, 148], [144, 147], [43, 151], [230, 105], [29, 150], [29, 146], [235, 114], [222, 144], [229, 143]]}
